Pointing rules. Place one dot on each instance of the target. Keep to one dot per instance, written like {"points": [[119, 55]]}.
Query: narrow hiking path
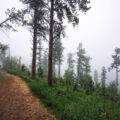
{"points": [[18, 103]]}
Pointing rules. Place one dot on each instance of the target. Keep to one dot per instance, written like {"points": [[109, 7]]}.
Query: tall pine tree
{"points": [[60, 9], [37, 23]]}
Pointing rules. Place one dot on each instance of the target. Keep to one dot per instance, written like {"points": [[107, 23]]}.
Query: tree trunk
{"points": [[51, 44], [34, 44]]}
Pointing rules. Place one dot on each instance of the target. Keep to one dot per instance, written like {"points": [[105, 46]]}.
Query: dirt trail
{"points": [[18, 103]]}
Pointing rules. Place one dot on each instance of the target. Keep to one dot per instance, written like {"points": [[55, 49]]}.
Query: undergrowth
{"points": [[69, 105]]}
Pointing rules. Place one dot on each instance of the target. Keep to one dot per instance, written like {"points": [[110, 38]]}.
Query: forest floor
{"points": [[18, 103]]}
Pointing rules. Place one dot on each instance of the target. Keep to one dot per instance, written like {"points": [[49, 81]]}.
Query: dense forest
{"points": [[74, 94]]}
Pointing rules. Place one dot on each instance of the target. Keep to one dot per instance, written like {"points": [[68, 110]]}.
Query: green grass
{"points": [[69, 105]]}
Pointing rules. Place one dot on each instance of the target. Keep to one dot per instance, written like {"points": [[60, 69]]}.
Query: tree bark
{"points": [[51, 44], [34, 44]]}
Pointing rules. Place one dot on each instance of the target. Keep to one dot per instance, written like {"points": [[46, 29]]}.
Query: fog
{"points": [[98, 30]]}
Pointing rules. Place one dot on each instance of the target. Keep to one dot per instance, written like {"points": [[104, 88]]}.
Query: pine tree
{"points": [[80, 61], [39, 54], [87, 65], [70, 62], [36, 13], [103, 77], [60, 9], [54, 57], [83, 67], [39, 58], [58, 55], [45, 64], [96, 77], [3, 52], [116, 65], [69, 73]]}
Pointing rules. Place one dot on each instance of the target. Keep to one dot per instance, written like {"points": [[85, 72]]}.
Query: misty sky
{"points": [[99, 31]]}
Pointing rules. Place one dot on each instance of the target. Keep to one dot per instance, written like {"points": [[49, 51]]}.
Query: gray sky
{"points": [[99, 31]]}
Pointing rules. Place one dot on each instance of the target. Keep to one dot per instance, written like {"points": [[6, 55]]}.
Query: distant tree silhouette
{"points": [[96, 77], [103, 77], [3, 50], [57, 55], [116, 64], [69, 73]]}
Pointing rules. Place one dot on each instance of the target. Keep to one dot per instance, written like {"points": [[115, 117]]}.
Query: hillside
{"points": [[74, 105]]}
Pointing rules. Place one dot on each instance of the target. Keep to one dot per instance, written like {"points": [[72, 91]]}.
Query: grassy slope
{"points": [[69, 105]]}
